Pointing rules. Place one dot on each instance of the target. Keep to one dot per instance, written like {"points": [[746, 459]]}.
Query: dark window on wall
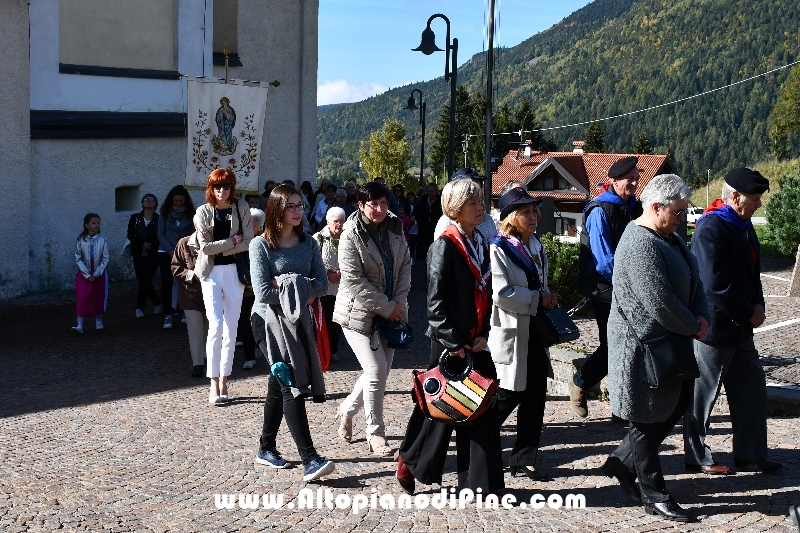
{"points": [[562, 226], [226, 32]]}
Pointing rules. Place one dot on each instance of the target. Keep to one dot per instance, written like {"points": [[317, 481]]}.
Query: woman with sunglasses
{"points": [[375, 277], [224, 228]]}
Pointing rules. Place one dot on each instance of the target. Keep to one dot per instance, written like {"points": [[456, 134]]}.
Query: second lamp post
{"points": [[427, 47], [412, 106]]}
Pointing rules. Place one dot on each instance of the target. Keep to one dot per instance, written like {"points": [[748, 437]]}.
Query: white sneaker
{"points": [[98, 324], [78, 330], [139, 313], [168, 322], [248, 365], [157, 310]]}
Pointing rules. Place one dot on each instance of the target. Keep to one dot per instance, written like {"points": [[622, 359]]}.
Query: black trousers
{"points": [[596, 366], [531, 402], [334, 329], [165, 270], [639, 449], [281, 402], [145, 268], [245, 329], [479, 460]]}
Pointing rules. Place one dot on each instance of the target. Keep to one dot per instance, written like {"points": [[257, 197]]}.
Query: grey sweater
{"points": [[304, 259], [652, 286]]}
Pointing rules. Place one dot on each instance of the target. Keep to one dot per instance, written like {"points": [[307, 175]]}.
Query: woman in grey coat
{"points": [[657, 292]]}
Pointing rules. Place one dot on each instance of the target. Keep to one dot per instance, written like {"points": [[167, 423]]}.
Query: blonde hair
{"points": [[508, 226], [456, 194]]}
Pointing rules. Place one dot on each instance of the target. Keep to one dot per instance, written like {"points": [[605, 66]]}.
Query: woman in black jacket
{"points": [[143, 234], [458, 321]]}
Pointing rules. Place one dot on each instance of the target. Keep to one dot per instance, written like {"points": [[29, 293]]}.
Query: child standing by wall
{"points": [[91, 282]]}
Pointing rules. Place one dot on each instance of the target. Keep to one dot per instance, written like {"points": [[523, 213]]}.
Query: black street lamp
{"points": [[412, 106], [428, 46]]}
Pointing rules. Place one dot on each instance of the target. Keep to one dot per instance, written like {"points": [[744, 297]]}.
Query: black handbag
{"points": [[398, 333], [242, 258], [554, 326]]}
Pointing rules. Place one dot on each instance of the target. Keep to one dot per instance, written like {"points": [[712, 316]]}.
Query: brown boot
{"points": [[577, 400]]}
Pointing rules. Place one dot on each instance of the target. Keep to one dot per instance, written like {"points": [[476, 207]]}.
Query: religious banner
{"points": [[226, 122]]}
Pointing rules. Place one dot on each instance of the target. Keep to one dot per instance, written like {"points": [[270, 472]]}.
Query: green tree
{"points": [[785, 117], [783, 216], [386, 154], [441, 134], [525, 120], [594, 139], [642, 145], [502, 123]]}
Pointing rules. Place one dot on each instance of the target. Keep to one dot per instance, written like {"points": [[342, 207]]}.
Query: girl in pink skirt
{"points": [[91, 283]]}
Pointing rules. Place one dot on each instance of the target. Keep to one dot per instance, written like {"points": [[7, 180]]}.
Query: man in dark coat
{"points": [[427, 213], [604, 220], [729, 256]]}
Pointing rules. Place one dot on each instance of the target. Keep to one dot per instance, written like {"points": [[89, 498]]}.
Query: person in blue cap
{"points": [[604, 220]]}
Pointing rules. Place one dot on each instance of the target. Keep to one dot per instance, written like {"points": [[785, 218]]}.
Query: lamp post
{"points": [[428, 46], [412, 106]]}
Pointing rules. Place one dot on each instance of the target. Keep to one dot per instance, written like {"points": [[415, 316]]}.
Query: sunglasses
{"points": [[223, 186]]}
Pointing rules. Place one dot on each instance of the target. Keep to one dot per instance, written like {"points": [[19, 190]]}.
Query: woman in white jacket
{"points": [[519, 287], [224, 228]]}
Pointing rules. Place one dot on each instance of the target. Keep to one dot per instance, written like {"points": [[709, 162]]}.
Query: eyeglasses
{"points": [[681, 213], [382, 205], [295, 207], [223, 186]]}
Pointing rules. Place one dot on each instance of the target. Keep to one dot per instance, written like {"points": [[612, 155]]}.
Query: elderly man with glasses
{"points": [[729, 256]]}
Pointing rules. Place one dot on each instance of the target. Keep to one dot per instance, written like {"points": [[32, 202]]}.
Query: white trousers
{"points": [[197, 326], [371, 386], [222, 296]]}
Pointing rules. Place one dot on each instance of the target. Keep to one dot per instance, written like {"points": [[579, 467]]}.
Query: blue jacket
{"points": [[729, 256]]}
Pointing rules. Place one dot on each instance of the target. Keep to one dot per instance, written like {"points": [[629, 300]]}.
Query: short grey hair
{"points": [[727, 193], [258, 215], [665, 189], [335, 212], [341, 191], [457, 193]]}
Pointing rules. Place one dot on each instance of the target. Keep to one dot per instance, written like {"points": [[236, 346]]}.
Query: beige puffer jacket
{"points": [[363, 285]]}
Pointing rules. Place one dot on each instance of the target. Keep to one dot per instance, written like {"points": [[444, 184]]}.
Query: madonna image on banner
{"points": [[226, 123]]}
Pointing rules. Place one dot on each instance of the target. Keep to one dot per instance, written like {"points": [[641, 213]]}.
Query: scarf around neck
{"points": [[474, 256], [727, 213]]}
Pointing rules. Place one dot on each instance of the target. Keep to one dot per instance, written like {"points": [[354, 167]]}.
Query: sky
{"points": [[365, 45]]}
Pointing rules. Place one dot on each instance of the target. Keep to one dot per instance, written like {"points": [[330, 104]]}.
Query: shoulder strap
{"points": [[239, 216]]}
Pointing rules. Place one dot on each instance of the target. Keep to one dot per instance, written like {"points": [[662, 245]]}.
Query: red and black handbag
{"points": [[455, 399]]}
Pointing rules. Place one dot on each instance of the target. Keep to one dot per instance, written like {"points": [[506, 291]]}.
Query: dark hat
{"points": [[747, 181], [514, 199], [623, 166], [469, 172]]}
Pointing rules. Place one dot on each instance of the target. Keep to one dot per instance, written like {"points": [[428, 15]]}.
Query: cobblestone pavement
{"points": [[108, 432]]}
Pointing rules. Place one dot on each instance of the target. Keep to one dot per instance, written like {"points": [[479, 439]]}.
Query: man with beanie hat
{"points": [[604, 220], [729, 257]]}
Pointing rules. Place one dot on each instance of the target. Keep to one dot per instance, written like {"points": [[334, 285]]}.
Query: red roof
{"points": [[590, 170]]}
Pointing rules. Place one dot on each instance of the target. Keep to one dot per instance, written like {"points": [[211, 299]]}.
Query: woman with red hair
{"points": [[224, 228]]}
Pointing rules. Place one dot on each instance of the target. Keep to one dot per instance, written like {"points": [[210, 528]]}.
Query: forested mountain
{"points": [[611, 57]]}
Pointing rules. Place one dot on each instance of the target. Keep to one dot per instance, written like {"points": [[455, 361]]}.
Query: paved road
{"points": [[108, 432]]}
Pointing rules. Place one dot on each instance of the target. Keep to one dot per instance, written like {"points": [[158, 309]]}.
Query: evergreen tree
{"points": [[642, 145], [783, 217], [386, 154], [525, 120], [594, 139], [502, 123], [784, 120]]}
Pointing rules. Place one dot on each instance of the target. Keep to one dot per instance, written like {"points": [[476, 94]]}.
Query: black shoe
{"points": [[669, 510], [197, 371], [758, 465], [531, 472], [613, 467]]}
